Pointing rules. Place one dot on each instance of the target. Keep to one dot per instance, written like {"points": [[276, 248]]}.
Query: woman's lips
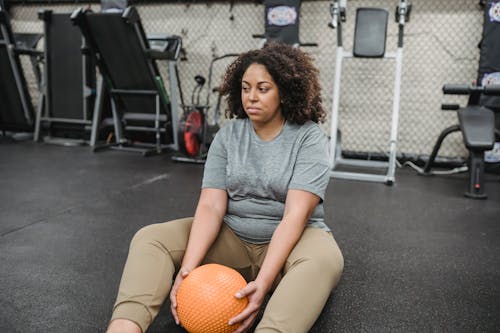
{"points": [[253, 110]]}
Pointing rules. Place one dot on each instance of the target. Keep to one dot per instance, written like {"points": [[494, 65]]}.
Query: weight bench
{"points": [[16, 112], [142, 116], [477, 124], [69, 83], [476, 121]]}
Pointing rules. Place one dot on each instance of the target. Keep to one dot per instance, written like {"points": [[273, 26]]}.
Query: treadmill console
{"points": [[169, 45]]}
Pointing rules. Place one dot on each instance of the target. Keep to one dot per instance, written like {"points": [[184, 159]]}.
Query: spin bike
{"points": [[196, 132]]}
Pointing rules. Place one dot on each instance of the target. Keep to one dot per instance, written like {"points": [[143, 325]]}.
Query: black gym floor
{"points": [[419, 257]]}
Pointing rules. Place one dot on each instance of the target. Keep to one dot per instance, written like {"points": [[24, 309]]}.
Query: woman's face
{"points": [[260, 96]]}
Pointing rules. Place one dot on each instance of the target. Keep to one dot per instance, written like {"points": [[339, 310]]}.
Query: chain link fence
{"points": [[441, 46]]}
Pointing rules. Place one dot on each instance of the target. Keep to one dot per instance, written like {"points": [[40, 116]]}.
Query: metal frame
{"points": [[131, 16], [475, 120], [173, 84], [203, 109], [43, 112], [12, 51], [338, 16], [121, 143]]}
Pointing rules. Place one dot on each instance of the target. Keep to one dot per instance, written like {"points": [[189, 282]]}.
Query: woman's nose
{"points": [[252, 95]]}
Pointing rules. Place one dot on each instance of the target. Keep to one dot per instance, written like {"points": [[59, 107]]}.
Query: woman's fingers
{"points": [[243, 315], [246, 324], [173, 304], [249, 289], [251, 308], [173, 294], [173, 309], [249, 314]]}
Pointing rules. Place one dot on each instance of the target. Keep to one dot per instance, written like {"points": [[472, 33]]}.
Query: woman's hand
{"points": [[256, 294], [173, 292]]}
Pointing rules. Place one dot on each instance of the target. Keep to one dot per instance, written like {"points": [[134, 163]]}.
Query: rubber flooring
{"points": [[419, 256]]}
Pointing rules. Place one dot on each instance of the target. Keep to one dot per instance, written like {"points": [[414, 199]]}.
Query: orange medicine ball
{"points": [[206, 299]]}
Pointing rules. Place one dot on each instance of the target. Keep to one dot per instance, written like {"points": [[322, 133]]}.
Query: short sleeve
{"points": [[312, 168], [214, 175]]}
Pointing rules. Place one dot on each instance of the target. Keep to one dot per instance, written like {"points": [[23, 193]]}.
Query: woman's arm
{"points": [[299, 206], [206, 225]]}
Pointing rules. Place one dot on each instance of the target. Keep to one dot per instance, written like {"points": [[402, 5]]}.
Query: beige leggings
{"points": [[310, 273]]}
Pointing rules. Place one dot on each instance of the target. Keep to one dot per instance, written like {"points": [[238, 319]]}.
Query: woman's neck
{"points": [[268, 131]]}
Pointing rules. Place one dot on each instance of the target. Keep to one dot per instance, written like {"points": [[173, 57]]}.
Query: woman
{"points": [[260, 209]]}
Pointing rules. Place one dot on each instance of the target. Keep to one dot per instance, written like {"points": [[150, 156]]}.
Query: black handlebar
{"points": [[260, 36], [309, 44], [464, 89], [453, 107]]}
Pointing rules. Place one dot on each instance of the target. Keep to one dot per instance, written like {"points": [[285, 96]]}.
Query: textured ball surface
{"points": [[206, 301]]}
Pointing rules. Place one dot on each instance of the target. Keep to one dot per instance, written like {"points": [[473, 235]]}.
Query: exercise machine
{"points": [[196, 132], [476, 121], [143, 114], [17, 111], [369, 43], [477, 124], [68, 83]]}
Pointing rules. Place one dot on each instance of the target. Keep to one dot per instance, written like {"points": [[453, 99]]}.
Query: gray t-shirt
{"points": [[257, 174]]}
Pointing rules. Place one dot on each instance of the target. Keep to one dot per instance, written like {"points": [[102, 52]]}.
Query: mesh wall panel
{"points": [[440, 47]]}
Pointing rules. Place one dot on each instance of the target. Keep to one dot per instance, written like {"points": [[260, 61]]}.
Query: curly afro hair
{"points": [[295, 75]]}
